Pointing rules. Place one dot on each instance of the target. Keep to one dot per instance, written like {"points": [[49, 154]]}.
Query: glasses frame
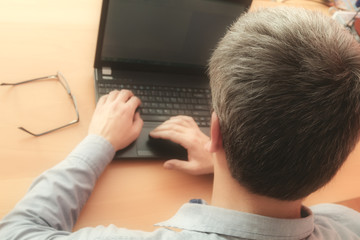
{"points": [[65, 84]]}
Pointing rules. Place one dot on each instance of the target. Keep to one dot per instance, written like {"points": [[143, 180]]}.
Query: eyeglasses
{"points": [[65, 84]]}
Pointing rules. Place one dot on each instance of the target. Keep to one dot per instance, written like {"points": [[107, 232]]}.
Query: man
{"points": [[286, 95]]}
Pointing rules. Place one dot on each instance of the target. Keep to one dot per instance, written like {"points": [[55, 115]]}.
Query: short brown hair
{"points": [[285, 86]]}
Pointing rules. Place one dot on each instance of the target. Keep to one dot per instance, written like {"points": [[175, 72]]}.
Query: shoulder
{"points": [[336, 219]]}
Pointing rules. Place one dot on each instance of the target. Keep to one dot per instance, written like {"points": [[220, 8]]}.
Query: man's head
{"points": [[286, 89]]}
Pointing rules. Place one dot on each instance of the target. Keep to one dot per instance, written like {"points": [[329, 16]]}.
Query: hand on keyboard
{"points": [[115, 118], [184, 131]]}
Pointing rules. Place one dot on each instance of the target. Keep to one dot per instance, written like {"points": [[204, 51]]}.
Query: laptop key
{"points": [[159, 111], [155, 118], [201, 107], [199, 95], [200, 113]]}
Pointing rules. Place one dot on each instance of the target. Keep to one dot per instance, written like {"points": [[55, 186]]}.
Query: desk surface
{"points": [[40, 37]]}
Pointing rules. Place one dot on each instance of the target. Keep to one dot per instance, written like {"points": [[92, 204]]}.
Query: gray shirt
{"points": [[53, 203]]}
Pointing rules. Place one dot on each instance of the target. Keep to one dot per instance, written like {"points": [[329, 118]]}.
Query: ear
{"points": [[216, 137]]}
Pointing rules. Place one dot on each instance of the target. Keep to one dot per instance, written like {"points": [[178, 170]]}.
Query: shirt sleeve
{"points": [[54, 201]]}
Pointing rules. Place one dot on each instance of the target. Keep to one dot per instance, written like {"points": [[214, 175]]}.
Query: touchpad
{"points": [[158, 148]]}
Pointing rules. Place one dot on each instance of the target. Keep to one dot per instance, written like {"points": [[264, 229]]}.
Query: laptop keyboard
{"points": [[159, 103]]}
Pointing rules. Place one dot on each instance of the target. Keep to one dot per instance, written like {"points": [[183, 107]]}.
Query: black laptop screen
{"points": [[174, 33]]}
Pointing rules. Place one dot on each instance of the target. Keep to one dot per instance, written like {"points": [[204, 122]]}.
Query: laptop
{"points": [[159, 49]]}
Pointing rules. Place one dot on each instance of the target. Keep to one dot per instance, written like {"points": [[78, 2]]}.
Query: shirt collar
{"points": [[210, 219]]}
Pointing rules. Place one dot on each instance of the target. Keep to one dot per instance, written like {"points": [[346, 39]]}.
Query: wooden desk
{"points": [[40, 37]]}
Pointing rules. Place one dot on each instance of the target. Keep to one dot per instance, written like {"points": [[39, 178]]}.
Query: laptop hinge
{"points": [[106, 71]]}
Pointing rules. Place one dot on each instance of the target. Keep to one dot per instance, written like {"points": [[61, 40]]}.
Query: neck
{"points": [[228, 193]]}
